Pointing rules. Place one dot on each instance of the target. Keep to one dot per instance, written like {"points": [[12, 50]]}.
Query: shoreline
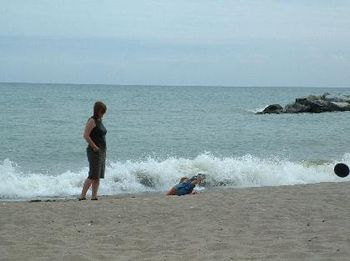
{"points": [[153, 193], [299, 222]]}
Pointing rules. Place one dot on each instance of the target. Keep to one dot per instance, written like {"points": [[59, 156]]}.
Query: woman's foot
{"points": [[94, 198], [81, 198]]}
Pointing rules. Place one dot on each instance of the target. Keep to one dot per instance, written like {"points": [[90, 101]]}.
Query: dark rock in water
{"points": [[343, 106], [312, 104], [295, 108], [274, 108], [145, 179], [318, 106]]}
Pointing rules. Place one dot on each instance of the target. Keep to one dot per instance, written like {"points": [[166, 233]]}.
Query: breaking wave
{"points": [[154, 175]]}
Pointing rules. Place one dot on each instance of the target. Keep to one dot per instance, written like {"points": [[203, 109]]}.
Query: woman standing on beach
{"points": [[95, 134]]}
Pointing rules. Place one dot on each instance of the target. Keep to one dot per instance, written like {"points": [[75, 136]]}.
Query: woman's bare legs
{"points": [[95, 185], [86, 186]]}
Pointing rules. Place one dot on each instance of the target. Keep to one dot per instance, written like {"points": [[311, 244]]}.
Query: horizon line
{"points": [[174, 85]]}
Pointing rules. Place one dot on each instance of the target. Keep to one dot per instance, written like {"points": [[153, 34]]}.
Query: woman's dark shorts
{"points": [[97, 162]]}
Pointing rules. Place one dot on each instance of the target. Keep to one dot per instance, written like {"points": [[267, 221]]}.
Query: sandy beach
{"points": [[308, 222]]}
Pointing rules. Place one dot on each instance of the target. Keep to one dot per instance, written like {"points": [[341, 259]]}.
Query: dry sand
{"points": [[310, 222]]}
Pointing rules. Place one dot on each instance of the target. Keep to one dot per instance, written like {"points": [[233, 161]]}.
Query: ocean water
{"points": [[157, 134]]}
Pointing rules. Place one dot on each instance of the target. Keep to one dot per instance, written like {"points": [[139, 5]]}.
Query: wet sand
{"points": [[309, 222]]}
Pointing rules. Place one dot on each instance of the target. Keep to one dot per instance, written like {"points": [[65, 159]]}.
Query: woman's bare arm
{"points": [[89, 126]]}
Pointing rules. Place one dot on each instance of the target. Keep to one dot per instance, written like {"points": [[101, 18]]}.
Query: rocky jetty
{"points": [[312, 104]]}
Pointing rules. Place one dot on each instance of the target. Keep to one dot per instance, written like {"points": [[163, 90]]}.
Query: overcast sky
{"points": [[176, 42]]}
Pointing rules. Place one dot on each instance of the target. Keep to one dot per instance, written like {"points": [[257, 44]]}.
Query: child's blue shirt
{"points": [[184, 188]]}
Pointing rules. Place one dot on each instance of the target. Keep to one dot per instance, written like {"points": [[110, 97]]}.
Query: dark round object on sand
{"points": [[341, 169]]}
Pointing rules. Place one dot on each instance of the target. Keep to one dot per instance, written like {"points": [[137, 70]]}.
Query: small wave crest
{"points": [[158, 175], [256, 110]]}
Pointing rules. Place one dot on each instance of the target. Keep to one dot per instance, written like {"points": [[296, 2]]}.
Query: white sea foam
{"points": [[159, 175], [256, 110]]}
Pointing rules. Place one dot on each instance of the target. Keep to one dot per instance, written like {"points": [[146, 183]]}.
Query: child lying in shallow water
{"points": [[186, 186]]}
